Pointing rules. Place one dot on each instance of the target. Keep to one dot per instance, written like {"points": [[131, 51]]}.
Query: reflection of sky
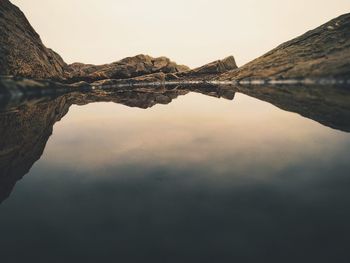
{"points": [[237, 180], [219, 136]]}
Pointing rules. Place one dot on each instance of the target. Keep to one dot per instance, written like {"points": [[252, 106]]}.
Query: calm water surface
{"points": [[200, 179]]}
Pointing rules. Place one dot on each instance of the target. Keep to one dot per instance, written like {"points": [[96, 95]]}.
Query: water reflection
{"points": [[197, 180]]}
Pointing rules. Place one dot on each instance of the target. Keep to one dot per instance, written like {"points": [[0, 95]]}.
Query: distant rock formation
{"points": [[124, 69], [206, 72], [212, 69], [22, 52], [322, 52]]}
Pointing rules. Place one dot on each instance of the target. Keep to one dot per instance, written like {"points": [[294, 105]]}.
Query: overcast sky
{"points": [[191, 32]]}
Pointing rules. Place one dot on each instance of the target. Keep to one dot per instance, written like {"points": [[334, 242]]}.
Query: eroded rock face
{"points": [[124, 69], [22, 52], [323, 52]]}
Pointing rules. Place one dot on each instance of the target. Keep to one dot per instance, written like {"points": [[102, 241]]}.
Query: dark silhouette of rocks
{"points": [[24, 133], [22, 52], [322, 52], [328, 105], [25, 126]]}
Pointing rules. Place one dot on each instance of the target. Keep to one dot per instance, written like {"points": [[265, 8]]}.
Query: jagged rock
{"points": [[209, 70], [124, 69], [202, 73], [323, 52], [22, 52], [216, 67]]}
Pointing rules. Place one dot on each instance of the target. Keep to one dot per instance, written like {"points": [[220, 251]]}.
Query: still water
{"points": [[179, 176]]}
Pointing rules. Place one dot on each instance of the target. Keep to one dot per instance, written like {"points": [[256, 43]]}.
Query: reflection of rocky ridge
{"points": [[25, 129], [328, 105], [24, 133]]}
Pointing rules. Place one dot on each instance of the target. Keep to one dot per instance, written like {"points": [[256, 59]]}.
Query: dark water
{"points": [[196, 174]]}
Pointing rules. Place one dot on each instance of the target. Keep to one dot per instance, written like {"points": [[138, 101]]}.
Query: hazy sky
{"points": [[191, 32]]}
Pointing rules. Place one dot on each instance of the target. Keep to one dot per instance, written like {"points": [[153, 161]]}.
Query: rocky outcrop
{"points": [[216, 67], [323, 52], [124, 69], [206, 72], [22, 52]]}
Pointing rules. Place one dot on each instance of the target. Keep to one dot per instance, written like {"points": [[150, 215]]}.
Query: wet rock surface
{"points": [[322, 52]]}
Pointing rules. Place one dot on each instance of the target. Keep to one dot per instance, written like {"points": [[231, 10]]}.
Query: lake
{"points": [[177, 174]]}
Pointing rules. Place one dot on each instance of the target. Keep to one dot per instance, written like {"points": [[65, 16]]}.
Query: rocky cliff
{"points": [[22, 52], [322, 52]]}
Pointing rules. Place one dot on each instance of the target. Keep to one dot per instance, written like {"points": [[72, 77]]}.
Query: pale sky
{"points": [[191, 32]]}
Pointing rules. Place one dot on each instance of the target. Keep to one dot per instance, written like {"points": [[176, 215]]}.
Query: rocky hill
{"points": [[322, 52], [22, 52]]}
